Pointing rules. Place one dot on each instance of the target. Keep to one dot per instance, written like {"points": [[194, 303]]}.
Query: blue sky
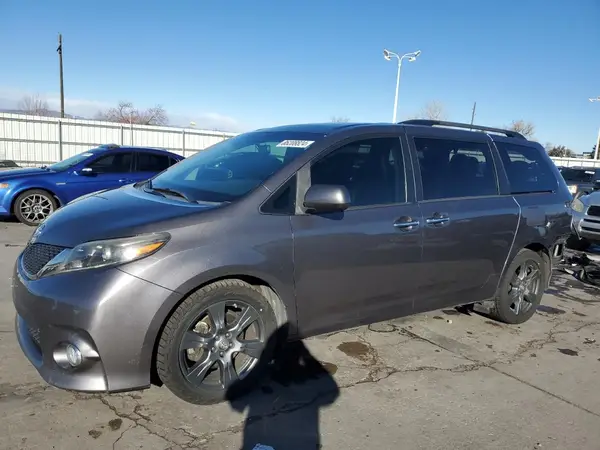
{"points": [[248, 64]]}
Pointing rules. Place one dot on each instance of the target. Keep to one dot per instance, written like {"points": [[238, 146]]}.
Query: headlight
{"points": [[572, 188], [95, 254], [577, 205]]}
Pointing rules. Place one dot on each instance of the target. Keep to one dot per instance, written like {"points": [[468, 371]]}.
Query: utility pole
{"points": [[473, 112], [62, 89], [597, 149]]}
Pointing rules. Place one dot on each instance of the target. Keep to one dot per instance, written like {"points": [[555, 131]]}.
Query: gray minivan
{"points": [[191, 278]]}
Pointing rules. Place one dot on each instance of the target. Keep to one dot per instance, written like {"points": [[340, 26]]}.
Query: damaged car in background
{"points": [[581, 180], [586, 221]]}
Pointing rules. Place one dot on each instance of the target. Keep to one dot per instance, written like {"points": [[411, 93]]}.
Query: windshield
{"points": [[230, 169], [70, 162]]}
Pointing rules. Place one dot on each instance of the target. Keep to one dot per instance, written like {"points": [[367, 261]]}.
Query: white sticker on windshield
{"points": [[294, 143]]}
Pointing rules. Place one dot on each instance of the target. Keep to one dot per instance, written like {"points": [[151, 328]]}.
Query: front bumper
{"points": [[113, 318], [5, 202], [586, 226]]}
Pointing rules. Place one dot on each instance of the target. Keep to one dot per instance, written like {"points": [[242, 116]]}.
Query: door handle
{"points": [[406, 224], [437, 220]]}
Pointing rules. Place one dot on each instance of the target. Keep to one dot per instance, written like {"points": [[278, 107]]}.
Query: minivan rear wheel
{"points": [[218, 343], [521, 288]]}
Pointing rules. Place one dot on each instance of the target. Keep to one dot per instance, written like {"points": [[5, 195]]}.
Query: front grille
{"points": [[36, 256], [35, 334], [593, 211]]}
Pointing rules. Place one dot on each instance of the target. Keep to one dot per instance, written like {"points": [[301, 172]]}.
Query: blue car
{"points": [[32, 194]]}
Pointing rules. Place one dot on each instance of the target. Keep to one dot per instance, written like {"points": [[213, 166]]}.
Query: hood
{"points": [[593, 198], [10, 173], [112, 214]]}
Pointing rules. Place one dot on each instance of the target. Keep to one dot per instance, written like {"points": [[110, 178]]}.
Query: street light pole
{"points": [[388, 55], [597, 149]]}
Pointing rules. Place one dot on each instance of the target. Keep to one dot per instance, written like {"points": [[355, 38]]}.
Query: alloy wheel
{"points": [[223, 344], [525, 287], [36, 207]]}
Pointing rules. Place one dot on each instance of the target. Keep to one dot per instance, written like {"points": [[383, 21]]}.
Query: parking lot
{"points": [[443, 380]]}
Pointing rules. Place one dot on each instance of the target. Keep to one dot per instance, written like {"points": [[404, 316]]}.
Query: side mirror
{"points": [[87, 171], [326, 198]]}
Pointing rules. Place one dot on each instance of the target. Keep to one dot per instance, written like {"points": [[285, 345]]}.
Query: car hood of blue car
{"points": [[23, 172], [116, 213]]}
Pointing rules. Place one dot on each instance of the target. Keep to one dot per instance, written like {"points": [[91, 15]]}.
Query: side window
{"points": [[455, 168], [150, 162], [527, 169], [284, 200], [372, 170], [112, 163]]}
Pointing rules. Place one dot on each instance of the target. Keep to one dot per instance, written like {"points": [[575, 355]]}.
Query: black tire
{"points": [[168, 357], [503, 308], [581, 245], [46, 199]]}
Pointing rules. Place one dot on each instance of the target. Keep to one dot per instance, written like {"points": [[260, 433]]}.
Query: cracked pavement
{"points": [[439, 380]]}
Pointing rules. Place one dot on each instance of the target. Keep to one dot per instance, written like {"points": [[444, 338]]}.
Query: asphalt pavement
{"points": [[442, 380]]}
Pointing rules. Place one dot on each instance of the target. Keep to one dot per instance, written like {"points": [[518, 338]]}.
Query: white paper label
{"points": [[294, 143]]}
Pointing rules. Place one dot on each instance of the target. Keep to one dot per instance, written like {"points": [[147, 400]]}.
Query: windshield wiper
{"points": [[170, 191]]}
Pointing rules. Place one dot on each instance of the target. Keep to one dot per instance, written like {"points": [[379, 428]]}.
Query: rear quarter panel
{"points": [[545, 216]]}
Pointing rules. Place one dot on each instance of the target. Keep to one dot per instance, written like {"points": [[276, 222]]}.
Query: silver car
{"points": [[586, 221]]}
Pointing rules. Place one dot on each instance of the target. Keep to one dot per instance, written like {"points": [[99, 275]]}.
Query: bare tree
{"points": [[34, 105], [527, 129], [340, 119], [433, 110], [125, 112], [561, 151]]}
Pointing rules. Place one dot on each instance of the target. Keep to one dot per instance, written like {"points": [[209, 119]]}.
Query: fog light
{"points": [[74, 357]]}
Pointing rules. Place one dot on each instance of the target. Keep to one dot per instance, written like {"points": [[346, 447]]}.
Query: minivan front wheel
{"points": [[521, 289], [218, 343]]}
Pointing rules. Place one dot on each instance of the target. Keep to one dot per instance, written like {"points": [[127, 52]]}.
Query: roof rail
{"points": [[442, 123]]}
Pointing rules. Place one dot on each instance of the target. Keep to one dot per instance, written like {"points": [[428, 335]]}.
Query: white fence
{"points": [[34, 140], [574, 162]]}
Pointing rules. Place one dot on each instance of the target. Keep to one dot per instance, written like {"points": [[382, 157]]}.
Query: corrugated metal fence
{"points": [[576, 162], [35, 140]]}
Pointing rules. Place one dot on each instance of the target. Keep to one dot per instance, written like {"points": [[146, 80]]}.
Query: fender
{"points": [[154, 330], [12, 195]]}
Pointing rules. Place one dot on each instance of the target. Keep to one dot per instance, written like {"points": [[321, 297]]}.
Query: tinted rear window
{"points": [[578, 175], [527, 168]]}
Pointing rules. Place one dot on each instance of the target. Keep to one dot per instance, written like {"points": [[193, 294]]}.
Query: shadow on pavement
{"points": [[283, 414]]}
